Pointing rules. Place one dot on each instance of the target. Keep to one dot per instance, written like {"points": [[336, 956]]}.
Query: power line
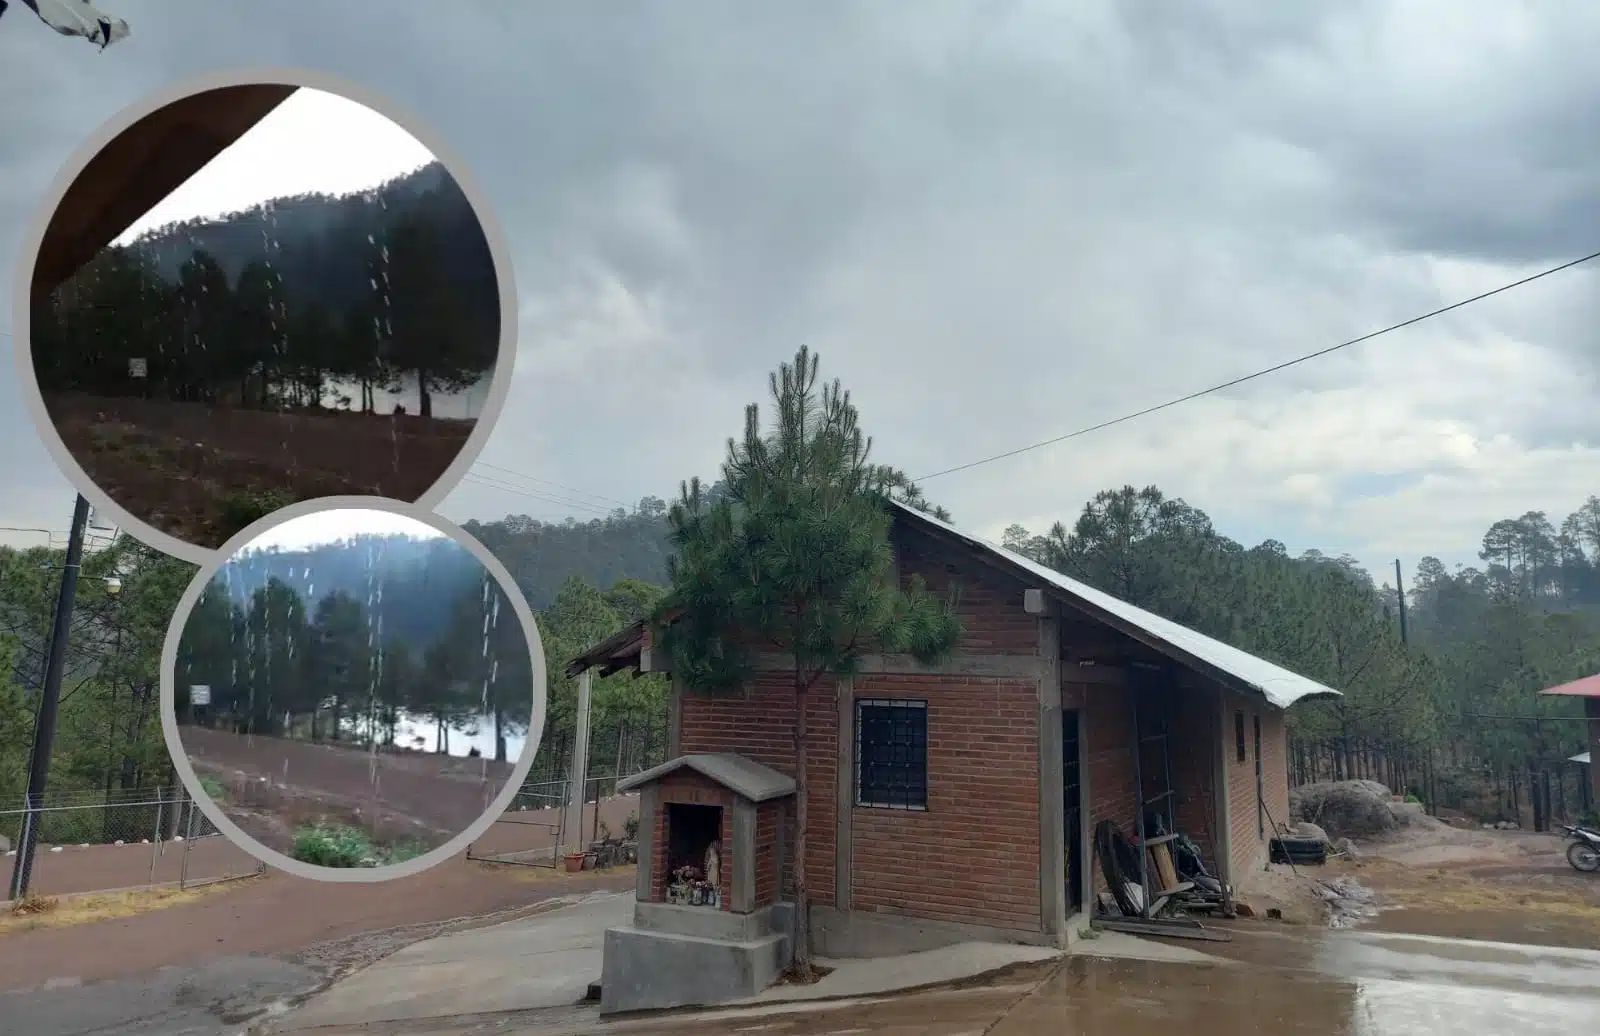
{"points": [[474, 479], [547, 482], [1263, 373]]}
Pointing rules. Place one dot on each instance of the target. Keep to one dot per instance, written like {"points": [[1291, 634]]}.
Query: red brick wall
{"points": [[1194, 768], [989, 603], [768, 816], [1248, 833], [973, 856], [759, 725], [1107, 757], [1275, 773], [691, 789]]}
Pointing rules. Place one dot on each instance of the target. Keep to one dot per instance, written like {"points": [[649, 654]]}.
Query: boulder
{"points": [[1346, 809]]}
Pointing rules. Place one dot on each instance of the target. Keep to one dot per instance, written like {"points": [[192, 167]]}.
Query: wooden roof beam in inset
{"points": [[142, 166]]}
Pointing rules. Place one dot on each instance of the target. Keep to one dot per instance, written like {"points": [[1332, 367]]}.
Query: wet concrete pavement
{"points": [[1267, 982], [212, 999]]}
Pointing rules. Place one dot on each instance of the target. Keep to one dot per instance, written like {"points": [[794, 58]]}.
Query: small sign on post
{"points": [[138, 367], [199, 694]]}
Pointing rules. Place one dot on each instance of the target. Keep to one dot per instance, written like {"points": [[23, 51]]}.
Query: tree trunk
{"points": [[802, 905], [424, 399]]}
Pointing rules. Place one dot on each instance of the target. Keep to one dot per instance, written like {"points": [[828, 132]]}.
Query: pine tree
{"points": [[795, 556]]}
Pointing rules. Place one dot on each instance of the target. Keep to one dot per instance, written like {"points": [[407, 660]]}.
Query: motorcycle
{"points": [[1583, 852]]}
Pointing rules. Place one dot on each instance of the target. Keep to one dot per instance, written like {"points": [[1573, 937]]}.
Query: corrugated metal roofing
{"points": [[742, 776], [1278, 685], [1588, 687], [1581, 757]]}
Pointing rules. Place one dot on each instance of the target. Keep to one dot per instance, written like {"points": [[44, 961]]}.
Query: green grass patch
{"points": [[213, 789], [337, 845]]}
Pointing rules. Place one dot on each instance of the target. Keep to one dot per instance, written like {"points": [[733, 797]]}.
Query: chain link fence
{"points": [[126, 840]]}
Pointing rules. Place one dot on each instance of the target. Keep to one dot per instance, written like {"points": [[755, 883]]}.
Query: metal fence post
{"points": [[188, 843], [155, 836]]}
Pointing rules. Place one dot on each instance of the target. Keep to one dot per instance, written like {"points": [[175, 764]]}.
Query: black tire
{"points": [[1584, 857]]}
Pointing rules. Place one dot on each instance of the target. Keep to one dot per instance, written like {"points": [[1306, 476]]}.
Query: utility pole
{"points": [[577, 783], [1400, 592], [44, 728]]}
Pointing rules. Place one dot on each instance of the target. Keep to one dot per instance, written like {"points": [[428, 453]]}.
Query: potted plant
{"points": [[574, 862]]}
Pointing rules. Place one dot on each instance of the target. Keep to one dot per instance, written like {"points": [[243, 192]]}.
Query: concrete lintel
{"points": [[1002, 667], [845, 783], [1073, 671]]}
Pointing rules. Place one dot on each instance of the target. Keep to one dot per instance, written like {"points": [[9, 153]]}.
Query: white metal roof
{"points": [[1278, 685], [1581, 757]]}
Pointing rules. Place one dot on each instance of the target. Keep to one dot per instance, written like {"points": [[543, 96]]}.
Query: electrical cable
{"points": [[1275, 368]]}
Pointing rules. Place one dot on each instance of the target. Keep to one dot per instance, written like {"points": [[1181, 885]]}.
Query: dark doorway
{"points": [[691, 830], [1071, 759]]}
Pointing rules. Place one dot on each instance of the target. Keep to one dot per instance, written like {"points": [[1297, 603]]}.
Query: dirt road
{"points": [[183, 467], [1499, 886], [314, 923]]}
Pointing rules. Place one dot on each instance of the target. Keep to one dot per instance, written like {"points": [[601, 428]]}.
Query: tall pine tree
{"points": [[796, 556]]}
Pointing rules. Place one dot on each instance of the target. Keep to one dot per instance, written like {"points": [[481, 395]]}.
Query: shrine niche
{"points": [[709, 832]]}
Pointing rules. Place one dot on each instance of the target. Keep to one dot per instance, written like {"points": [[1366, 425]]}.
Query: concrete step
{"points": [[647, 970]]}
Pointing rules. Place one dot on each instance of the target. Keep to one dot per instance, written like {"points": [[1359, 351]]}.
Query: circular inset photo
{"points": [[249, 295], [353, 692]]}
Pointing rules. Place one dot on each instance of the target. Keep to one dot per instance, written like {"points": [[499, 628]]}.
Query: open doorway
{"points": [[1072, 799]]}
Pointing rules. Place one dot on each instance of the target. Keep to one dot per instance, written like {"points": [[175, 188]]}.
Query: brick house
{"points": [[958, 803]]}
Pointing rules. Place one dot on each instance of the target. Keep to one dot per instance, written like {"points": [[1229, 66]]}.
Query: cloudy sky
{"points": [[997, 222]]}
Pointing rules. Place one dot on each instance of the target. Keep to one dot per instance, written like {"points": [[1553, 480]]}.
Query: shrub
{"points": [[332, 845]]}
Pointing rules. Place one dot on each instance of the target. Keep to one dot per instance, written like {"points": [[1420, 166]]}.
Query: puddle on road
{"points": [[1349, 902]]}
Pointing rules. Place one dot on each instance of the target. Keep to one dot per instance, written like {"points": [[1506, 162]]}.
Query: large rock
{"points": [[1346, 809]]}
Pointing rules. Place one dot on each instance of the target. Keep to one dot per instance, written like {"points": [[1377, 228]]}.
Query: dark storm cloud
{"points": [[998, 221]]}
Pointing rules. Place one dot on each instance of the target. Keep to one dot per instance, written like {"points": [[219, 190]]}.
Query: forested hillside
{"points": [[414, 579], [1452, 703], [309, 301], [1446, 708]]}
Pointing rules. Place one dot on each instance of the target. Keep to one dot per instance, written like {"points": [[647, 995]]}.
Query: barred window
{"points": [[892, 753]]}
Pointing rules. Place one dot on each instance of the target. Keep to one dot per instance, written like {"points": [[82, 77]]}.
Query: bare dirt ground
{"points": [[1436, 879], [273, 786], [190, 468], [331, 926]]}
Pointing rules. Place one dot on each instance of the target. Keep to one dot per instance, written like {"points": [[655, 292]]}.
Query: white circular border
{"points": [[22, 345], [271, 857]]}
